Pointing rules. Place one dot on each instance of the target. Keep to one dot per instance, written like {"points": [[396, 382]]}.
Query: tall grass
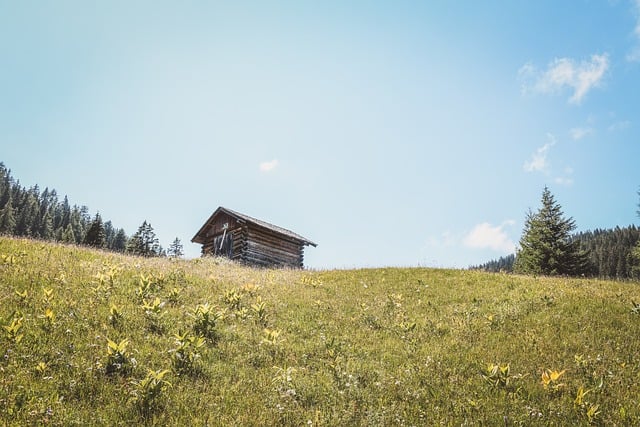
{"points": [[96, 338]]}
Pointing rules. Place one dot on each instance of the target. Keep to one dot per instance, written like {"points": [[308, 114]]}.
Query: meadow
{"points": [[97, 338]]}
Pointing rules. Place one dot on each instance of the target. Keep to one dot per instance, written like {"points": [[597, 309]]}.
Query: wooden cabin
{"points": [[251, 241]]}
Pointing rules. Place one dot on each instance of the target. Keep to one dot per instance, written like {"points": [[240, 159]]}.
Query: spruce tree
{"points": [[546, 246], [145, 242], [119, 241], [7, 218], [635, 254], [75, 221], [109, 234], [95, 233], [175, 249], [67, 235], [46, 227]]}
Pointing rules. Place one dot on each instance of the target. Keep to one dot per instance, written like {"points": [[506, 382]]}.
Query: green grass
{"points": [[354, 347]]}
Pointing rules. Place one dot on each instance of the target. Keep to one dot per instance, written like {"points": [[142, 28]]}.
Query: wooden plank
{"points": [[272, 236], [272, 252], [271, 257]]}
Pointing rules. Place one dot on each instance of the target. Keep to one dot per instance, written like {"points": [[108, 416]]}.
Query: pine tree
{"points": [[145, 242], [67, 235], [109, 234], [75, 221], [546, 246], [175, 249], [7, 218], [27, 215], [95, 233], [46, 227], [119, 241], [635, 254]]}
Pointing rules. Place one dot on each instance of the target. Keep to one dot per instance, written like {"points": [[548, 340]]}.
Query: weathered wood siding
{"points": [[253, 245]]}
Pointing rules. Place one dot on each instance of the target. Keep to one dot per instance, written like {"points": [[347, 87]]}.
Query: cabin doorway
{"points": [[223, 245]]}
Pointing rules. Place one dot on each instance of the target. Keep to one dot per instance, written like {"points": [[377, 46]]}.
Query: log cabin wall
{"points": [[250, 241]]}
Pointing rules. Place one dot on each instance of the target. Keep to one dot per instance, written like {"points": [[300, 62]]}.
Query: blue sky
{"points": [[391, 133]]}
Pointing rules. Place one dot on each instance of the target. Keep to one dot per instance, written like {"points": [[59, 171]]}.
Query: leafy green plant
{"points": [[187, 352], [147, 393], [174, 296], [580, 395], [635, 309], [497, 375], [406, 326], [272, 340], [204, 321], [13, 330], [49, 317], [233, 299], [592, 412], [154, 312], [259, 308], [551, 379], [41, 368], [47, 296], [119, 361], [148, 284], [22, 295], [115, 316]]}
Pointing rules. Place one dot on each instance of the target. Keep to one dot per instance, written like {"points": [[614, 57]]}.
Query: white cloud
{"points": [[566, 179], [268, 166], [566, 73], [485, 236], [538, 161], [579, 133], [620, 126]]}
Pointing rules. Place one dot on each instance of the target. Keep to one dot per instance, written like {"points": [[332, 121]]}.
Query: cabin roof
{"points": [[200, 235]]}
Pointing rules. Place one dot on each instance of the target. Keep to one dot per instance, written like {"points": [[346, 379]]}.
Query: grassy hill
{"points": [[102, 339]]}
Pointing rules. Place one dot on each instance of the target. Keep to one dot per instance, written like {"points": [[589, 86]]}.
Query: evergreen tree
{"points": [[95, 233], [546, 246], [26, 217], [5, 185], [144, 242], [635, 254], [46, 227], [175, 249], [75, 221], [119, 241], [7, 218], [67, 235], [109, 234], [502, 264]]}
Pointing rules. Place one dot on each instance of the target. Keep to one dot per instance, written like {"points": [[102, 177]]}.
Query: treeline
{"points": [[41, 215], [609, 253], [29, 212]]}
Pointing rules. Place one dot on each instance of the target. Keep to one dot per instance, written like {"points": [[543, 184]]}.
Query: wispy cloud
{"points": [[580, 132], [634, 53], [538, 161], [487, 236], [564, 73], [268, 166], [619, 126], [566, 178]]}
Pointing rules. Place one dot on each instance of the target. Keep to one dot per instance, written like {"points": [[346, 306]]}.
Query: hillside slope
{"points": [[103, 339]]}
